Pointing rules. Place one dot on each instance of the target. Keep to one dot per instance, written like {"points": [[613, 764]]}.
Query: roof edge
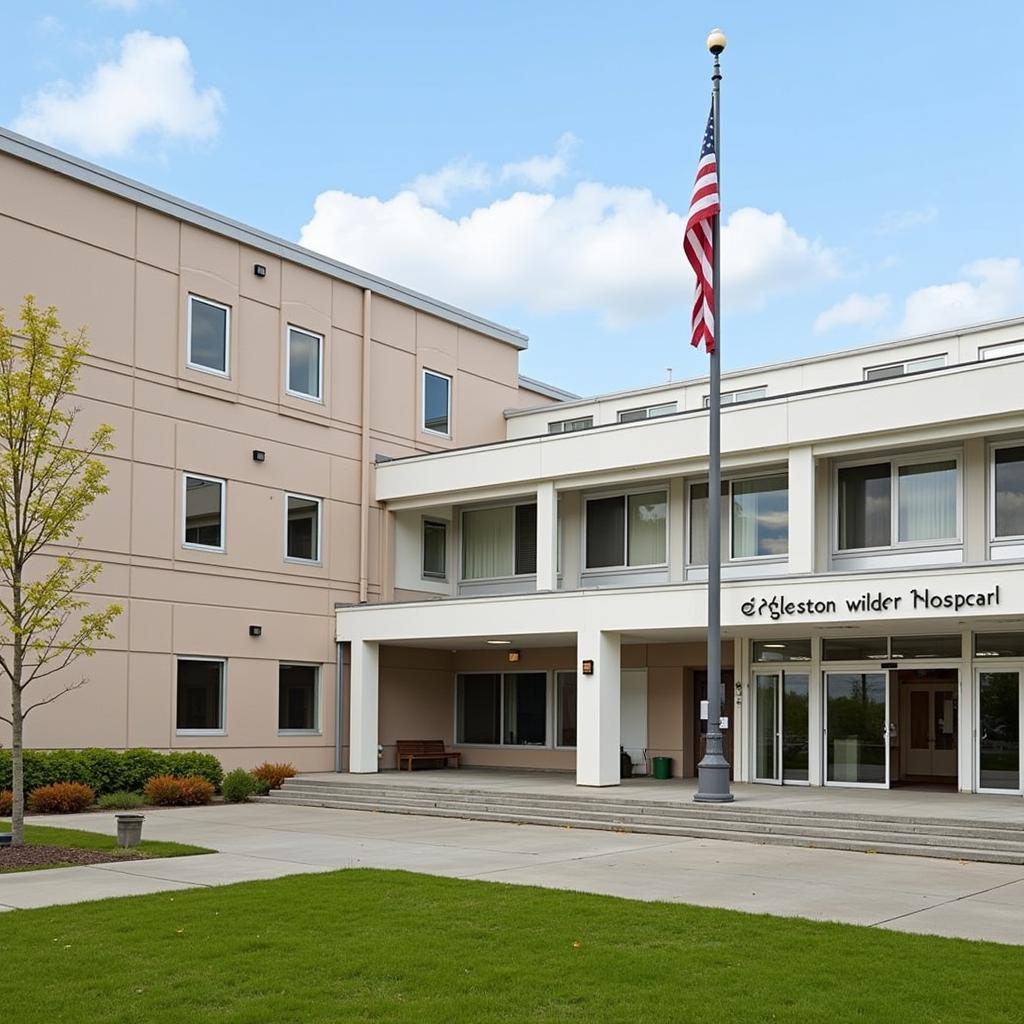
{"points": [[550, 390]]}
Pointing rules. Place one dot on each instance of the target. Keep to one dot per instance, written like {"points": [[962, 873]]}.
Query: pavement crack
{"points": [[945, 903]]}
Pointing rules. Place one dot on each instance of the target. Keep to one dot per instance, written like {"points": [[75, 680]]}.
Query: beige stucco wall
{"points": [[124, 271]]}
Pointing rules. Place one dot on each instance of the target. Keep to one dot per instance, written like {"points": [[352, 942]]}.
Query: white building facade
{"points": [[544, 603]]}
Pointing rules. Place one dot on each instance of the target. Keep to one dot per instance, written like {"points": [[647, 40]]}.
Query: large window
{"points": [[435, 549], [1008, 491], [754, 516], [499, 542], [208, 332], [437, 403], [648, 412], [507, 709], [909, 502], [298, 698], [626, 530], [305, 363], [302, 528], [200, 697], [203, 512]]}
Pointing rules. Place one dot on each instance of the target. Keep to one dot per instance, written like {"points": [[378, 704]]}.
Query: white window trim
{"points": [[895, 463], [435, 577], [997, 665], [185, 477], [548, 710], [727, 546], [671, 408], [587, 570], [513, 504], [319, 397], [1009, 538], [319, 532], [423, 404], [223, 729], [317, 730], [1001, 350], [226, 372], [733, 397], [907, 366], [588, 420]]}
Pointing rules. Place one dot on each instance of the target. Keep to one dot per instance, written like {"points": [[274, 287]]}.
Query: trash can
{"points": [[129, 829], [663, 767]]}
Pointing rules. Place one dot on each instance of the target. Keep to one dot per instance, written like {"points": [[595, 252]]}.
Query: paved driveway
{"points": [[971, 900]]}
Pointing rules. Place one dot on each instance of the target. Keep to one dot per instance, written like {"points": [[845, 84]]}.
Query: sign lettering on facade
{"points": [[777, 607]]}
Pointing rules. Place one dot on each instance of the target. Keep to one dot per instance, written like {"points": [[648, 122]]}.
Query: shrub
{"points": [[6, 799], [61, 798], [196, 790], [261, 786], [171, 791], [274, 774], [120, 801], [138, 766], [238, 786], [100, 768], [185, 764]]}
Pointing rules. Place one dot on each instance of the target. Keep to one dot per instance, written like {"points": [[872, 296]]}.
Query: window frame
{"points": [[226, 372], [317, 729], [441, 577], [513, 504], [423, 403], [908, 367], [587, 421], [1008, 538], [549, 709], [671, 408], [319, 397], [1000, 350], [895, 463], [186, 475], [603, 495], [733, 397], [222, 729], [318, 560]]}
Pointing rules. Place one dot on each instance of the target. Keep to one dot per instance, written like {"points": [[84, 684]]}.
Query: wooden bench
{"points": [[424, 750]]}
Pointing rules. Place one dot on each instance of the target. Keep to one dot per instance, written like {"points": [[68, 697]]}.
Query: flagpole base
{"points": [[713, 781]]}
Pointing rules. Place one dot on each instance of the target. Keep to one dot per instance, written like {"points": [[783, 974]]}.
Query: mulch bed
{"points": [[38, 856]]}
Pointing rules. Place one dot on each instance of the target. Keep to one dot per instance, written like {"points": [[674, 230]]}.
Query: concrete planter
{"points": [[129, 829]]}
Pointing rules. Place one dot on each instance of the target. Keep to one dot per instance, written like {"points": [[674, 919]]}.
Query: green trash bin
{"points": [[663, 767]]}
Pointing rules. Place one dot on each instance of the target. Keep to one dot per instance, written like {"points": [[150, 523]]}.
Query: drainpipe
{"points": [[364, 475]]}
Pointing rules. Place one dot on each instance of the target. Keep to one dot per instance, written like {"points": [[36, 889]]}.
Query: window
{"points": [[203, 512], [302, 528], [200, 696], [208, 332], [570, 426], [565, 709], [1008, 485], [744, 395], [305, 363], [999, 645], [754, 518], [780, 650], [889, 370], [508, 709], [855, 648], [925, 509], [626, 530], [298, 698], [649, 413], [499, 542], [943, 646], [435, 550], [437, 403], [1007, 348]]}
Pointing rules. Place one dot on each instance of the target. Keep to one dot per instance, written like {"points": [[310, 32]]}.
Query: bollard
{"points": [[129, 829]]}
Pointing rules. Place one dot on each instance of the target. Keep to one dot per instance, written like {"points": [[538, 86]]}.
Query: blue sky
{"points": [[533, 165]]}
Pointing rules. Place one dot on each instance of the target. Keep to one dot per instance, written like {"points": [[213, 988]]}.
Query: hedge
{"points": [[109, 771]]}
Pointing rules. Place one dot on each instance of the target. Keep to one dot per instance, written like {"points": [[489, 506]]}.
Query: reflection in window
{"points": [[304, 361], [303, 528]]}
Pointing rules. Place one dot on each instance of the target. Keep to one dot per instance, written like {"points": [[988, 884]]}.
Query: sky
{"points": [[532, 161]]}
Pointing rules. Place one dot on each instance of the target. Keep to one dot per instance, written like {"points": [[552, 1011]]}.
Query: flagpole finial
{"points": [[716, 41]]}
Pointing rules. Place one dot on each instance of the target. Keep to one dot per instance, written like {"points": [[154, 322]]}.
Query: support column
{"points": [[802, 527], [598, 705], [363, 699], [547, 536]]}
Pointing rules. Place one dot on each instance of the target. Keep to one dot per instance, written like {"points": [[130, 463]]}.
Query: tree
{"points": [[48, 480]]}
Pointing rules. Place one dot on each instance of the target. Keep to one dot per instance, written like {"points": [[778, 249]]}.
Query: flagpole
{"points": [[713, 770]]}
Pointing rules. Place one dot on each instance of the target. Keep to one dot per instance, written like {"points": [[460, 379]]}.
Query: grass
{"points": [[43, 835], [366, 945]]}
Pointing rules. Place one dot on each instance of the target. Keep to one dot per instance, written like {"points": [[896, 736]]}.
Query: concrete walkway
{"points": [[256, 841]]}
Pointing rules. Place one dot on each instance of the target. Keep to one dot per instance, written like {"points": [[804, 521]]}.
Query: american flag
{"points": [[697, 240]]}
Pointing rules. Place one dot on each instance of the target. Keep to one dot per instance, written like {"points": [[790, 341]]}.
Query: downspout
{"points": [[364, 475]]}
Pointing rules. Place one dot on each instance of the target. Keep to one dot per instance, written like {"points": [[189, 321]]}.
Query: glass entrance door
{"points": [[767, 728], [856, 728], [781, 729], [999, 713]]}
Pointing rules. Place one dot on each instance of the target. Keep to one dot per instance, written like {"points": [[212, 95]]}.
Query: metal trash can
{"points": [[129, 829], [663, 767]]}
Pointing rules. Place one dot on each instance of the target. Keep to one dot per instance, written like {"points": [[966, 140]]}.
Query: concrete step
{"points": [[904, 846]]}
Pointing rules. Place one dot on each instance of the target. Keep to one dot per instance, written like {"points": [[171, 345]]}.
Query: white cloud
{"points": [[613, 251], [543, 171], [905, 220], [991, 289], [120, 5], [149, 90], [854, 309], [459, 176]]}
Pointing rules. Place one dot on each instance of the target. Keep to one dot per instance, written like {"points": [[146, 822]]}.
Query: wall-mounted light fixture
{"points": [[587, 667], [258, 456], [259, 270], [513, 657], [255, 631]]}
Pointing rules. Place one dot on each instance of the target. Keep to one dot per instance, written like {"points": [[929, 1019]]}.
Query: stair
{"points": [[1001, 843]]}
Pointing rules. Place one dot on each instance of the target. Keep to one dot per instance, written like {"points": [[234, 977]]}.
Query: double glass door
{"points": [[781, 733], [857, 728], [999, 727]]}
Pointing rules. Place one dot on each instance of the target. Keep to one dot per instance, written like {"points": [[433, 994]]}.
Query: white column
{"points": [[598, 700], [802, 525], [363, 698], [547, 536]]}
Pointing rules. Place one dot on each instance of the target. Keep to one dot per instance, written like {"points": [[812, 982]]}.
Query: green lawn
{"points": [[365, 945], [42, 835]]}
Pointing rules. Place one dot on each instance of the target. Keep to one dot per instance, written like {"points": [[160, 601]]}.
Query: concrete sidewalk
{"points": [[255, 841]]}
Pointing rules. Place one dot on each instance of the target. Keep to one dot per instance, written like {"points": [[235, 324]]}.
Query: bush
{"points": [[238, 786], [120, 801], [6, 799], [61, 798], [171, 791], [139, 765], [274, 774], [185, 764]]}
